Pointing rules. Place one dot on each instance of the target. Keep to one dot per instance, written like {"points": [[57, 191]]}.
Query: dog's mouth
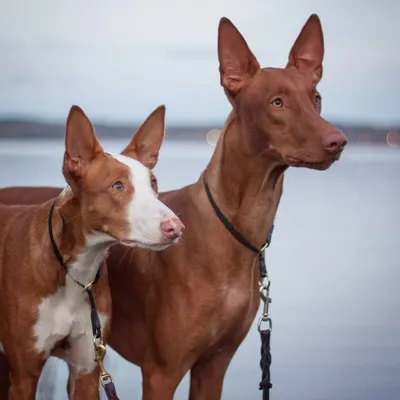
{"points": [[150, 246], [320, 165]]}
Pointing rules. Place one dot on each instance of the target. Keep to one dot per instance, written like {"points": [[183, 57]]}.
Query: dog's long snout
{"points": [[335, 141], [172, 228]]}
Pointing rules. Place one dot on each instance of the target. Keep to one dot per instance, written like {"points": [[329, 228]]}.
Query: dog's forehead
{"points": [[285, 80], [114, 167], [139, 174]]}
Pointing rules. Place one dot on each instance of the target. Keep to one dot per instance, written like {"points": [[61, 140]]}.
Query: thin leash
{"points": [[99, 347], [265, 283]]}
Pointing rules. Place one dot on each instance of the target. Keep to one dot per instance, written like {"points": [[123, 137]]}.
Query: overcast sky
{"points": [[119, 59]]}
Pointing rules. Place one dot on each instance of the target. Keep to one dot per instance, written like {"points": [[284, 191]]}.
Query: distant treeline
{"points": [[27, 129]]}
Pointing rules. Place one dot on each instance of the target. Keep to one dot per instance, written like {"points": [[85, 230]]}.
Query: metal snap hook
{"points": [[262, 320]]}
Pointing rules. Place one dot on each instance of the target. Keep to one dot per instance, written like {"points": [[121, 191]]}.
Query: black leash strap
{"points": [[227, 224], [96, 326], [242, 240], [94, 315], [265, 362]]}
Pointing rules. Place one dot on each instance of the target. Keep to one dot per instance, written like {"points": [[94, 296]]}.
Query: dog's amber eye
{"points": [[278, 102], [318, 99], [118, 185]]}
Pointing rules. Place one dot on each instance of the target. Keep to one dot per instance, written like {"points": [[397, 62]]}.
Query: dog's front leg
{"points": [[24, 376], [82, 386], [4, 377], [207, 376], [84, 374]]}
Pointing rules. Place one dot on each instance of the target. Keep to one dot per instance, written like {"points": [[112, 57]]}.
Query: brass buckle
{"points": [[89, 285], [100, 353]]}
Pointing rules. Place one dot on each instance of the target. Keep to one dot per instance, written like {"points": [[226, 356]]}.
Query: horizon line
{"points": [[25, 118]]}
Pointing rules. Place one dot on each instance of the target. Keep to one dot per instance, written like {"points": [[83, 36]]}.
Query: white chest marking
{"points": [[66, 313]]}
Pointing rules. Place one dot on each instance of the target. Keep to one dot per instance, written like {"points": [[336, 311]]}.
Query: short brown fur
{"points": [[29, 270], [192, 311]]}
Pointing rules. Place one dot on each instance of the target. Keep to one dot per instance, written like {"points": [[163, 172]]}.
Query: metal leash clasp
{"points": [[264, 294], [266, 299], [100, 353], [89, 285]]}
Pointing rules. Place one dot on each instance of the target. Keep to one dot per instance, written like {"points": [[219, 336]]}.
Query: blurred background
{"points": [[334, 257]]}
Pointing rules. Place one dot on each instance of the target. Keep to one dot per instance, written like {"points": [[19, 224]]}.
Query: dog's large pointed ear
{"points": [[237, 64], [81, 144], [307, 52], [146, 143]]}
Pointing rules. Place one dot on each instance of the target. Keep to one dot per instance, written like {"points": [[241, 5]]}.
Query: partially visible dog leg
{"points": [[4, 377], [83, 386], [84, 374], [24, 378], [159, 384], [207, 376]]}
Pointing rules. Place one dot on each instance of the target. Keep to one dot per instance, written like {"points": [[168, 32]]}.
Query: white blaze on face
{"points": [[145, 212]]}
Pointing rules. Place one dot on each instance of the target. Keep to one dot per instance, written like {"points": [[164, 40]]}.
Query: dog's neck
{"points": [[82, 250], [246, 187]]}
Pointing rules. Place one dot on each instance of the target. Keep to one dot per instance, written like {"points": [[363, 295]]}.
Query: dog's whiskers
{"points": [[120, 261]]}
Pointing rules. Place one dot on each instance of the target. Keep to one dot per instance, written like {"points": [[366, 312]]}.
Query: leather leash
{"points": [[265, 283], [99, 347]]}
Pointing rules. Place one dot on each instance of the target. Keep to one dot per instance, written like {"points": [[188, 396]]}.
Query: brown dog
{"points": [[195, 305], [44, 309]]}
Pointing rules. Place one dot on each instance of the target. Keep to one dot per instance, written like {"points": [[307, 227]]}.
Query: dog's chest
{"points": [[238, 304], [232, 313], [65, 317]]}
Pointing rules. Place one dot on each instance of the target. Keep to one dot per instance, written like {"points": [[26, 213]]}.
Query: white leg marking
{"points": [[80, 356], [72, 379]]}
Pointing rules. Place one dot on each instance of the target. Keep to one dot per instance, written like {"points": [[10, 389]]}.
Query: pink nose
{"points": [[335, 141], [172, 228]]}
